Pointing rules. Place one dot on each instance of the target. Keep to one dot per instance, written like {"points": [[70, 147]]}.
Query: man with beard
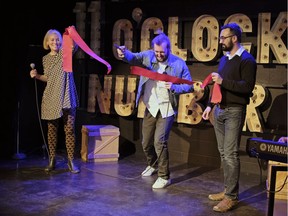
{"points": [[161, 104], [236, 77]]}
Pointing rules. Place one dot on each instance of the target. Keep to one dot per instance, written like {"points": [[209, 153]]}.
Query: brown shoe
{"points": [[225, 205], [217, 196]]}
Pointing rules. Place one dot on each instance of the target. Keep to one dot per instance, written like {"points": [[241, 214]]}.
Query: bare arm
{"points": [[34, 74]]}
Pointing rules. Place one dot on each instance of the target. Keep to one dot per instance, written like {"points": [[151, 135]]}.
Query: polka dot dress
{"points": [[60, 91]]}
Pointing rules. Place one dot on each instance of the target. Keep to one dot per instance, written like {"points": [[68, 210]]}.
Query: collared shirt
{"points": [[238, 52], [156, 96]]}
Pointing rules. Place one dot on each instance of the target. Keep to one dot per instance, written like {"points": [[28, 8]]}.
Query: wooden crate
{"points": [[280, 180], [100, 143]]}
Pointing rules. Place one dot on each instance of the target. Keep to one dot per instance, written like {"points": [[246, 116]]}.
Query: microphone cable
{"points": [[32, 65]]}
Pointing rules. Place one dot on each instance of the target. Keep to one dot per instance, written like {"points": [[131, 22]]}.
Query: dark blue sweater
{"points": [[239, 76]]}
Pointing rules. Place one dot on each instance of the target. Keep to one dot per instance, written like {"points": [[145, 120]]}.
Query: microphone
{"points": [[32, 65], [172, 99], [164, 81]]}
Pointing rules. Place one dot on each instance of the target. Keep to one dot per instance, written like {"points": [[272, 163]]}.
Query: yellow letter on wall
{"points": [[253, 118], [209, 51], [189, 111], [267, 38], [80, 10], [173, 35], [124, 26], [95, 40], [125, 108], [151, 24], [95, 92]]}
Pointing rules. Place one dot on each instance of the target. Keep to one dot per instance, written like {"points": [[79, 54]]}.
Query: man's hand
{"points": [[121, 51], [217, 78], [206, 113]]}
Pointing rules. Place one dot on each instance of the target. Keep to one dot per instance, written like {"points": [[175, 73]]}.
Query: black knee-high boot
{"points": [[51, 165], [72, 167]]}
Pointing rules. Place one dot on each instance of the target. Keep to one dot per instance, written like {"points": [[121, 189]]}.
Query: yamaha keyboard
{"points": [[267, 149]]}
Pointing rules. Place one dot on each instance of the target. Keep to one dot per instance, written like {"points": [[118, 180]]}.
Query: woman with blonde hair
{"points": [[60, 99]]}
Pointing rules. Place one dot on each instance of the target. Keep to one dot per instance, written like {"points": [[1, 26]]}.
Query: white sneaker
{"points": [[149, 171], [161, 183]]}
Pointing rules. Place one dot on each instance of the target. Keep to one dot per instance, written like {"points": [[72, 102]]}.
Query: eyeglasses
{"points": [[224, 38]]}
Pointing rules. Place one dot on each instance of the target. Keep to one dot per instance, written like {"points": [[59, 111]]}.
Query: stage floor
{"points": [[117, 188]]}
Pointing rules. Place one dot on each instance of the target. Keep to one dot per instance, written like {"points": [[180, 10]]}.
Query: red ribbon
{"points": [[157, 76], [69, 35], [67, 52], [216, 96]]}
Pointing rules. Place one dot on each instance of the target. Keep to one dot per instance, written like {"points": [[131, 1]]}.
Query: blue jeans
{"points": [[228, 126], [155, 134]]}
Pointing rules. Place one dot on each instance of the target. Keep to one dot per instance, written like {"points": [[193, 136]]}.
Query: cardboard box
{"points": [[280, 181], [100, 143]]}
